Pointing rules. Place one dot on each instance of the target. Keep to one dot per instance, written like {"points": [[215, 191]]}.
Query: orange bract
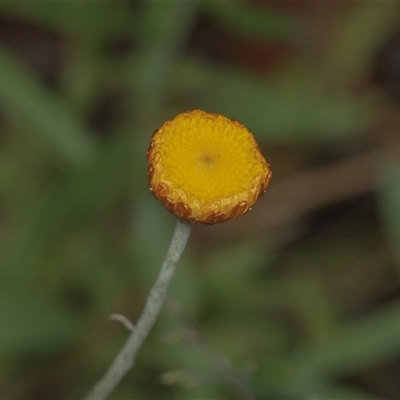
{"points": [[206, 168]]}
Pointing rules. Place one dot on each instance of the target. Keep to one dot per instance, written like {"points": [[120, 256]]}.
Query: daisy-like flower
{"points": [[206, 168]]}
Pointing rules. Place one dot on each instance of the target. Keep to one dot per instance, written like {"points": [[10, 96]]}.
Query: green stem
{"points": [[125, 359]]}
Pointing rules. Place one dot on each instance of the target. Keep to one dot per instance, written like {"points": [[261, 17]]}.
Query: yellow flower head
{"points": [[206, 168]]}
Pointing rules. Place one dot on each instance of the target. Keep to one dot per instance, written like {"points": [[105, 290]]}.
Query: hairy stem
{"points": [[125, 359]]}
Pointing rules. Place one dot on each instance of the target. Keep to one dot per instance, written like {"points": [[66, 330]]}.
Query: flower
{"points": [[206, 168]]}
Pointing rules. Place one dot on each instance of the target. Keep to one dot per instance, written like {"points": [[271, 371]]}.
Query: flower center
{"points": [[207, 160]]}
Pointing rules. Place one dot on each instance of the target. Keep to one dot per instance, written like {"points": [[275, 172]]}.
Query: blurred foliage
{"points": [[308, 311]]}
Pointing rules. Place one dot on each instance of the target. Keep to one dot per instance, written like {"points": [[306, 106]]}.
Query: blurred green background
{"points": [[300, 298]]}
